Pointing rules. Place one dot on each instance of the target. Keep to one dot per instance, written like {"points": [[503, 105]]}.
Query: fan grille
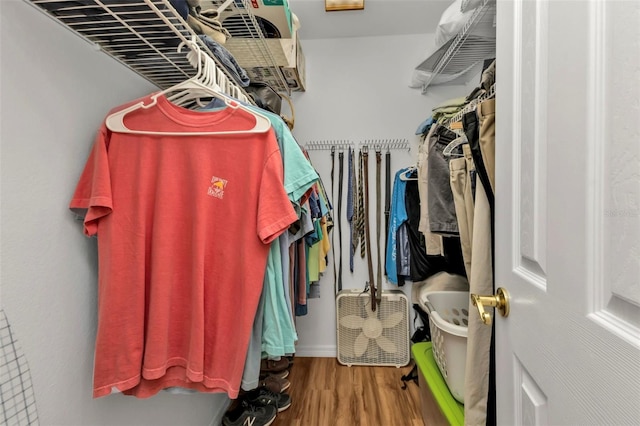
{"points": [[353, 340]]}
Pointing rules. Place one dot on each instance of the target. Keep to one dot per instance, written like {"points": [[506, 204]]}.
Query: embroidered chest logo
{"points": [[216, 189]]}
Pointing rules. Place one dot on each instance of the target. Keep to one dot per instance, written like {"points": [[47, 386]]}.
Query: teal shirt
{"points": [[278, 331]]}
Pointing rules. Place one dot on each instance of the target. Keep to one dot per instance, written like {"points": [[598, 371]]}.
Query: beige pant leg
{"points": [[487, 118], [457, 174], [476, 384]]}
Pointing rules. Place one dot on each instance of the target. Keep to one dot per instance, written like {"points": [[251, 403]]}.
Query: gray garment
{"points": [[251, 373], [442, 210], [285, 241]]}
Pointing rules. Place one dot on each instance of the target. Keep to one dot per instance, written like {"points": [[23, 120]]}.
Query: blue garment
{"points": [[424, 127], [226, 58], [398, 216], [181, 7], [314, 205]]}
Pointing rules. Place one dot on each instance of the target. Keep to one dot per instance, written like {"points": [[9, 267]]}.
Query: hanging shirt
{"points": [[278, 335], [397, 215], [184, 225]]}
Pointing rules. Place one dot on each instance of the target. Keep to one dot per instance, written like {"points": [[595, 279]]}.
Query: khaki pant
{"points": [[461, 169], [487, 115], [476, 383], [474, 216]]}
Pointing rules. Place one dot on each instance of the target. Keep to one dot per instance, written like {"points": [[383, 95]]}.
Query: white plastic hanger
{"points": [[201, 85], [406, 174], [448, 150]]}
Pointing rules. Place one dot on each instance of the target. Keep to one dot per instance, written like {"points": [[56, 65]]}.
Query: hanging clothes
{"points": [[274, 332], [168, 274], [479, 392], [398, 216]]}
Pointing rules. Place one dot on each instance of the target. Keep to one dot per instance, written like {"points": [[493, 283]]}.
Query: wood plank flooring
{"points": [[326, 393]]}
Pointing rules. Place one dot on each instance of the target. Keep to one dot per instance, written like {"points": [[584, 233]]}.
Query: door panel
{"points": [[616, 287], [531, 90], [532, 402], [568, 212]]}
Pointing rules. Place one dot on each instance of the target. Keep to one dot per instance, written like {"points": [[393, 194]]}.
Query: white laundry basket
{"points": [[448, 321]]}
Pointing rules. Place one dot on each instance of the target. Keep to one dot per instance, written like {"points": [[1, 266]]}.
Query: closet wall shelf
{"points": [[475, 42], [141, 34], [471, 106]]}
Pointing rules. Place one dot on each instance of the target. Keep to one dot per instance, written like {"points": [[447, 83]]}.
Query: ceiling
{"points": [[379, 18]]}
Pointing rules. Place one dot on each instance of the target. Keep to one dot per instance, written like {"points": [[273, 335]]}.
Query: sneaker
{"points": [[246, 414], [264, 397], [272, 366], [275, 384]]}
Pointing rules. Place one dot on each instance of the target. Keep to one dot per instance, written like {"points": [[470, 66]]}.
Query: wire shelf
{"points": [[472, 105], [467, 49], [143, 35]]}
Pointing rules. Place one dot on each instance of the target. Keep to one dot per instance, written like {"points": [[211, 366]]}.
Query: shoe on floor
{"points": [[275, 384], [281, 375], [250, 414], [272, 366], [265, 398]]}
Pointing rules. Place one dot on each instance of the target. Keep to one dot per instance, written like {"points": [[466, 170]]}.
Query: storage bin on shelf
{"points": [[448, 321]]}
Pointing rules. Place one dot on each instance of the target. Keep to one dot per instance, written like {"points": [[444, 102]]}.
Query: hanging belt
{"points": [[333, 198], [372, 284], [361, 212], [387, 202], [378, 221], [340, 178], [351, 210]]}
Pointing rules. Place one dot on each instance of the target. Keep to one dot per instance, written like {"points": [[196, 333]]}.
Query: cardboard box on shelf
{"points": [[294, 72], [273, 15], [251, 52]]}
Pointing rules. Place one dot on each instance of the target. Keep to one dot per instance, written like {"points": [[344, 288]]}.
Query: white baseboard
{"points": [[321, 351]]}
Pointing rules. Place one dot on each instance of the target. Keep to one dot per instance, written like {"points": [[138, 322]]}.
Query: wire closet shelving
{"points": [[475, 42], [144, 36]]}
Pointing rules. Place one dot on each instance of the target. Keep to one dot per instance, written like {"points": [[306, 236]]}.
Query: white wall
{"points": [[55, 91], [357, 90]]}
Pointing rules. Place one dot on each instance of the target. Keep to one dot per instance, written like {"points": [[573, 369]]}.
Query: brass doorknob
{"points": [[499, 301]]}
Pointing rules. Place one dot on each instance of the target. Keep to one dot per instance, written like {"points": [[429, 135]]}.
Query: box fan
{"points": [[373, 338]]}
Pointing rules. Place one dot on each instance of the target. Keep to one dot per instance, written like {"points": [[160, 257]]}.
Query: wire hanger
{"points": [[204, 83]]}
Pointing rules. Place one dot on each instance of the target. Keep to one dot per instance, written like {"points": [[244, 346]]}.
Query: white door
{"points": [[568, 212]]}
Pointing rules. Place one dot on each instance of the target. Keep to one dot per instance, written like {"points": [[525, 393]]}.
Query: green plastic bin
{"points": [[451, 409]]}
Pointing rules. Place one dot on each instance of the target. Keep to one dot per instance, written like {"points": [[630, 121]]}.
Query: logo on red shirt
{"points": [[216, 189]]}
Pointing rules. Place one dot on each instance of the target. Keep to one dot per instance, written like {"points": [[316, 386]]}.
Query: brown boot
{"points": [[269, 366], [275, 384]]}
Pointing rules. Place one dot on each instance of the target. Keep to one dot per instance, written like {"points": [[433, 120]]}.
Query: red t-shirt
{"points": [[184, 225]]}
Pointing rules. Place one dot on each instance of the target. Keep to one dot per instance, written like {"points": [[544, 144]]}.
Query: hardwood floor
{"points": [[326, 393]]}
